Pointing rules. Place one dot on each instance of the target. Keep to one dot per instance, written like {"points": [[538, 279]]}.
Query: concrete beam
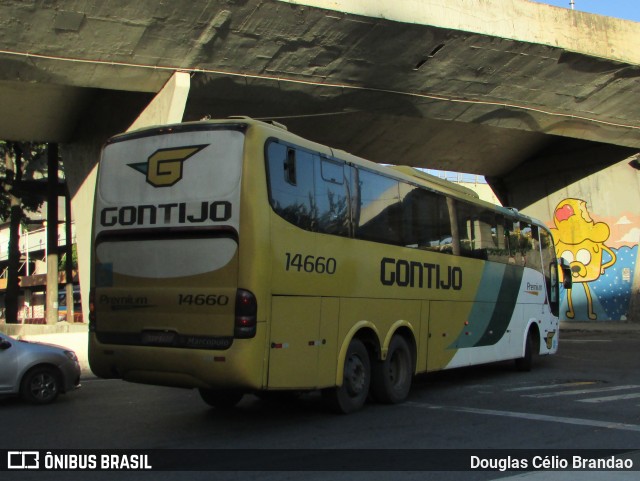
{"points": [[476, 86], [520, 20], [40, 112]]}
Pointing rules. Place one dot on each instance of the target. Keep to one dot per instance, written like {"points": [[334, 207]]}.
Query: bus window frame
{"points": [[353, 179]]}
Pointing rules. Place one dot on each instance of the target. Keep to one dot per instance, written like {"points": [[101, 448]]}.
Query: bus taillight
{"points": [[246, 315]]}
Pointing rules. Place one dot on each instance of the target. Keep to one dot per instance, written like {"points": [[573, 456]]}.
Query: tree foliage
{"points": [[20, 162], [62, 264], [30, 162]]}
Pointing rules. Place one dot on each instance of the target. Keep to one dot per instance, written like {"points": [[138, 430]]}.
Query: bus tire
{"points": [[221, 399], [352, 394], [391, 378], [525, 363]]}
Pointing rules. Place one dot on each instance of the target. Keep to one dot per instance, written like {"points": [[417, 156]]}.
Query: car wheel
{"points": [[41, 385]]}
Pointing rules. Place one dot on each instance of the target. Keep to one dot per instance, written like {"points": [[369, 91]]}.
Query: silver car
{"points": [[37, 372]]}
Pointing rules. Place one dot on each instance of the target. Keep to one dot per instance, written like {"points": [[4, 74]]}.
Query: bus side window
{"points": [[501, 241], [550, 267], [525, 244], [466, 216], [535, 259], [293, 202], [380, 213], [332, 197], [510, 240], [426, 219]]}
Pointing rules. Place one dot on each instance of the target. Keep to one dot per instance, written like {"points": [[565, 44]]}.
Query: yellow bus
{"points": [[235, 257]]}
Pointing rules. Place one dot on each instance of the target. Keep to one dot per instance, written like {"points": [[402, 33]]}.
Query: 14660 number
{"points": [[310, 264]]}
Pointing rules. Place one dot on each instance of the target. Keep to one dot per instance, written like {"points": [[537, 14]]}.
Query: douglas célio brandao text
{"points": [[513, 463]]}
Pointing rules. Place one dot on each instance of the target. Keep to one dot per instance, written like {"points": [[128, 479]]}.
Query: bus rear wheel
{"points": [[221, 399], [391, 378], [352, 394]]}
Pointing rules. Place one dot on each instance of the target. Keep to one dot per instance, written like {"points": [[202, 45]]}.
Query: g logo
{"points": [[164, 166]]}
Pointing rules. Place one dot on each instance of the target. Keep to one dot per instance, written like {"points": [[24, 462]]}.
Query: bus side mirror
{"points": [[566, 273]]}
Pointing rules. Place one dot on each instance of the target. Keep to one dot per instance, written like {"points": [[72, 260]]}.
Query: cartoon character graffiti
{"points": [[580, 241]]}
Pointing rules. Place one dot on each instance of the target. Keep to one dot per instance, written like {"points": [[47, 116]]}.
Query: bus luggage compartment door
{"points": [[302, 348]]}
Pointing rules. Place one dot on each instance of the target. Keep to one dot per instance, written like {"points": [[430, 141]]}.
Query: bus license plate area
{"points": [[158, 338]]}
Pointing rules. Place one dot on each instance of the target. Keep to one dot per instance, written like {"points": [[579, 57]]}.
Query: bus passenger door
{"points": [[302, 350]]}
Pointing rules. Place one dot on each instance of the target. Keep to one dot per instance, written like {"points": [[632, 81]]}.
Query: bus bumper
{"points": [[239, 367]]}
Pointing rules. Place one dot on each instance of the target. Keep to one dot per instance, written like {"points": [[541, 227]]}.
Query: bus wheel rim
{"points": [[397, 368], [355, 376]]}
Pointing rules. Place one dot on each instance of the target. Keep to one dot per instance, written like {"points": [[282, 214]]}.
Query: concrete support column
{"points": [[52, 234], [166, 107], [69, 257]]}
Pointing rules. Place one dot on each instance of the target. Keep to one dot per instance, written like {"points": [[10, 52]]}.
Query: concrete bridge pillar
{"points": [[165, 108]]}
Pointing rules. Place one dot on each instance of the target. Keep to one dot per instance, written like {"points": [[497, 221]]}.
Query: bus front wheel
{"points": [[221, 399], [391, 378], [525, 363], [353, 392]]}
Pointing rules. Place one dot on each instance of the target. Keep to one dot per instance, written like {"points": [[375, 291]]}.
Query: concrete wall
{"points": [[596, 225]]}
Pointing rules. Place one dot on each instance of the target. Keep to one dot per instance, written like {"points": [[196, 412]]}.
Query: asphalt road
{"points": [[585, 397]]}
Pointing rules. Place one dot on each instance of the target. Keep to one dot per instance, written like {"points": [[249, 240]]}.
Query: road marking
{"points": [[96, 379], [532, 417], [581, 391], [610, 398], [581, 341], [551, 386]]}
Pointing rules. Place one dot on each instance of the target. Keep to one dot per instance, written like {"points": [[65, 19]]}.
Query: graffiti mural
{"points": [[602, 257]]}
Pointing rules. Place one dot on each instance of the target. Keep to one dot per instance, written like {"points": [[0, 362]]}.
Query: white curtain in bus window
{"points": [[292, 195], [380, 209], [165, 258]]}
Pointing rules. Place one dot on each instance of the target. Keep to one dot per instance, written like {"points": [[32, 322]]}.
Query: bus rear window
{"points": [[162, 258]]}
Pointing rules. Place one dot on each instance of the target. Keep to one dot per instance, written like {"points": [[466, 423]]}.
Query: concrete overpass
{"points": [[523, 93]]}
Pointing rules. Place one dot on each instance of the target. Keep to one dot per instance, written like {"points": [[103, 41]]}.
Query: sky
{"points": [[627, 9]]}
